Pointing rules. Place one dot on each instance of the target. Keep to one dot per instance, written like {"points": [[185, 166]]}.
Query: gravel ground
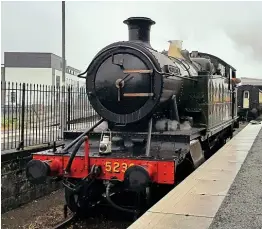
{"points": [[242, 207], [42, 213], [47, 211]]}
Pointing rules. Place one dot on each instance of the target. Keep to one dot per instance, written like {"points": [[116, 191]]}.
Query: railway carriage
{"points": [[162, 115], [249, 101]]}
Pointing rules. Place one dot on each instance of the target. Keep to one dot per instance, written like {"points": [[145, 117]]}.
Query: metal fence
{"points": [[32, 114]]}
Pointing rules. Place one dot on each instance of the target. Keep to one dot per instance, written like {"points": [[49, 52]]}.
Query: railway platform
{"points": [[224, 192]]}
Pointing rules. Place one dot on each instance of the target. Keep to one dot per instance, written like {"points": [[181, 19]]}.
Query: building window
{"points": [[13, 97], [57, 81]]}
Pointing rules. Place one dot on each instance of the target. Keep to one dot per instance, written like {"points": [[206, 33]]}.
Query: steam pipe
{"points": [[108, 188], [64, 151], [175, 110], [149, 135], [73, 154]]}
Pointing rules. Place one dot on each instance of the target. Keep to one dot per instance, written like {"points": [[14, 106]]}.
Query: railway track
{"points": [[67, 222], [92, 223], [102, 217]]}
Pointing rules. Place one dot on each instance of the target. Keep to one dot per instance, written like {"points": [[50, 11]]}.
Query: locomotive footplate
{"points": [[167, 150], [50, 164]]}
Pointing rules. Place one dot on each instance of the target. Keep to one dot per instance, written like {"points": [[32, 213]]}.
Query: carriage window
{"points": [[246, 94]]}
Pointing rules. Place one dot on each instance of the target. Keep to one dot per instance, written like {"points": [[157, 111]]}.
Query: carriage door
{"points": [[246, 99]]}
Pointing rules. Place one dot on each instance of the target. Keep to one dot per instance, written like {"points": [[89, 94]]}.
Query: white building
{"points": [[38, 68], [34, 68]]}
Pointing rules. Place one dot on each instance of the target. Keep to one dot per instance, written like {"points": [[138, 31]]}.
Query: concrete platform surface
{"points": [[226, 177], [242, 207]]}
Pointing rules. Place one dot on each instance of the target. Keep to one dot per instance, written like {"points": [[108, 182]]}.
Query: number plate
{"points": [[116, 167]]}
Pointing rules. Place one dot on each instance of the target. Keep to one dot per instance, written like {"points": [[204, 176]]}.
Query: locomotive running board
{"points": [[138, 71], [138, 94]]}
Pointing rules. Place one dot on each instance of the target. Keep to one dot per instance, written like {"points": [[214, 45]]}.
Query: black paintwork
{"points": [[144, 107], [107, 69], [139, 29], [189, 83], [169, 145], [105, 84]]}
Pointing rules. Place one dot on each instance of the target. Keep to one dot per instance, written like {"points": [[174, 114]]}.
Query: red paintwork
{"points": [[162, 172], [55, 166], [78, 169]]}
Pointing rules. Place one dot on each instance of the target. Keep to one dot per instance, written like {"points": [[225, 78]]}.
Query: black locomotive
{"points": [[162, 114]]}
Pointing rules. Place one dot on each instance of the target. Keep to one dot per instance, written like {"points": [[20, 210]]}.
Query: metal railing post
{"points": [[63, 107], [68, 108], [21, 144]]}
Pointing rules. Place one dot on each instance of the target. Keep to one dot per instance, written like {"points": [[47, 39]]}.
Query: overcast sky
{"points": [[230, 30]]}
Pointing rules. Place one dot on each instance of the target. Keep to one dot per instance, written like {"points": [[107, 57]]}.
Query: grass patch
{"points": [[11, 123]]}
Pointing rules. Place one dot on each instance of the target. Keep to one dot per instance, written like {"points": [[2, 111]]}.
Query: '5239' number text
{"points": [[116, 167]]}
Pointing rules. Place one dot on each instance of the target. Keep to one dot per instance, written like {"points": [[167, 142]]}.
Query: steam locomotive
{"points": [[162, 114]]}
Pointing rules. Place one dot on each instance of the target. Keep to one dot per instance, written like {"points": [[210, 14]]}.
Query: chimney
{"points": [[139, 29], [175, 48]]}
